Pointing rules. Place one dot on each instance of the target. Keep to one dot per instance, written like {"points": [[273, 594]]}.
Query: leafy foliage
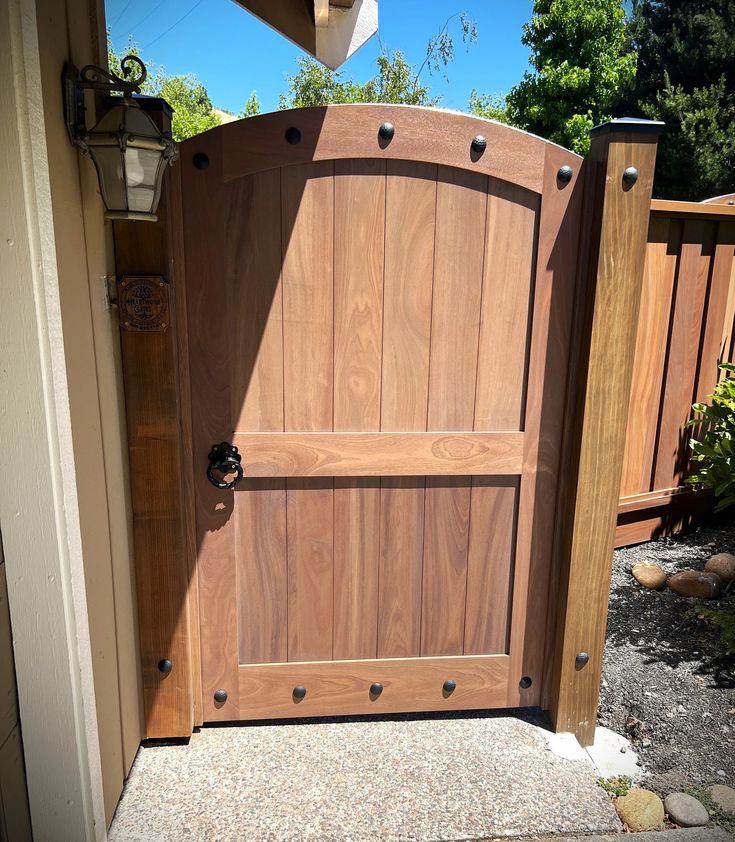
{"points": [[489, 106], [722, 818], [192, 107], [581, 57], [686, 77], [715, 451], [617, 786], [252, 106]]}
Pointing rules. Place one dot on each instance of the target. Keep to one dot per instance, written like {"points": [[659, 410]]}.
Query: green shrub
{"points": [[715, 450], [616, 787]]}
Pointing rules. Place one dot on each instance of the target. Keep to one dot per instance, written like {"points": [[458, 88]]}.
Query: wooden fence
{"points": [[686, 328]]}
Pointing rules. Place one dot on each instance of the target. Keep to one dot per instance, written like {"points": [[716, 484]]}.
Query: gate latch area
{"points": [[224, 460]]}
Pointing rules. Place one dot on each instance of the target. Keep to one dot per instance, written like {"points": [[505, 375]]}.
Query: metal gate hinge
{"points": [[110, 284]]}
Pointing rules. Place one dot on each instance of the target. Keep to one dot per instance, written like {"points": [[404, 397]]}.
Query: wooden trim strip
{"points": [[337, 688], [379, 454], [652, 499], [692, 208]]}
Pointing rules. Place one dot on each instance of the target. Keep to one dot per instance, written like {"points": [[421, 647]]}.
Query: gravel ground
{"points": [[667, 683]]}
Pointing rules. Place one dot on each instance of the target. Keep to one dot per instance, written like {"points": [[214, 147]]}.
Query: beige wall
{"points": [[74, 30]]}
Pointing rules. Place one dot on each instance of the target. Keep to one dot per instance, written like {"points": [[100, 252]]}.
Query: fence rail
{"points": [[686, 328]]}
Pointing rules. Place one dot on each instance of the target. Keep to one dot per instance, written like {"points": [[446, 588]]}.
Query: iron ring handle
{"points": [[225, 459]]}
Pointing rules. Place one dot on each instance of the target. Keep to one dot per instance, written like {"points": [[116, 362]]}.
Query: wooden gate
{"points": [[375, 324], [417, 328]]}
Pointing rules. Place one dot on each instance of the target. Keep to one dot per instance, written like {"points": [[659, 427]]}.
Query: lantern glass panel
{"points": [[109, 163], [141, 170]]}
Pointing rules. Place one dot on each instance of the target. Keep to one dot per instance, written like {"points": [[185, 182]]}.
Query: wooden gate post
{"points": [[619, 180], [156, 445]]}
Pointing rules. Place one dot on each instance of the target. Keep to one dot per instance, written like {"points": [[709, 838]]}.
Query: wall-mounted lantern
{"points": [[128, 150]]}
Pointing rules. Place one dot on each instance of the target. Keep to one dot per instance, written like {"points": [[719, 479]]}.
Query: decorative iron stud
{"points": [[525, 682], [200, 160], [630, 176], [220, 696], [479, 144], [299, 692], [565, 174], [449, 686], [386, 131], [581, 660], [293, 135], [376, 689], [165, 666]]}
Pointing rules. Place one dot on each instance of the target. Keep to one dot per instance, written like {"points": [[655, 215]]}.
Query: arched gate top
{"points": [[432, 135]]}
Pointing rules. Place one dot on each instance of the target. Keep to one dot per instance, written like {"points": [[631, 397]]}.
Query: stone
{"points": [[724, 797], [649, 575], [685, 810], [641, 810], [696, 583], [723, 564]]}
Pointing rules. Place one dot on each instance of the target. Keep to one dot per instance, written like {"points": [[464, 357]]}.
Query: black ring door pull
{"points": [[224, 459]]}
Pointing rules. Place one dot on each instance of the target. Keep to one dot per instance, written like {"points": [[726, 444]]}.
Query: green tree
{"points": [[252, 106], [581, 57], [396, 80], [489, 106], [193, 112], [686, 77]]}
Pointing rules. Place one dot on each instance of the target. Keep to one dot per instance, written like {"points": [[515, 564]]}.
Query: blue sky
{"points": [[233, 53]]}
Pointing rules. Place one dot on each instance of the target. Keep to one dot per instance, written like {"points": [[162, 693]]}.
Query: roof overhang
{"points": [[330, 30]]}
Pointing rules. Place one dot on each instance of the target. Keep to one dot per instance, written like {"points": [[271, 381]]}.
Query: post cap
{"points": [[629, 124]]}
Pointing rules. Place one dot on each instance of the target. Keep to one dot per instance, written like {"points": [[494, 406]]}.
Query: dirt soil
{"points": [[667, 682]]}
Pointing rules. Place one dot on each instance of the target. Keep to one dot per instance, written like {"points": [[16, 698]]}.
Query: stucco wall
{"points": [[74, 29]]}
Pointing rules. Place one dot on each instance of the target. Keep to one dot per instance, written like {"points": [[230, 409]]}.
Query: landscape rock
{"points": [[697, 584], [649, 575], [640, 810], [685, 810], [724, 797], [723, 564]]}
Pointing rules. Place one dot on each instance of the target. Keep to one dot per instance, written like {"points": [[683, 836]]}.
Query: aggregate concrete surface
{"points": [[403, 778]]}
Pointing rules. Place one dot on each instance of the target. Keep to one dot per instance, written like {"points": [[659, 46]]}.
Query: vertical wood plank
{"points": [[409, 266], [446, 532], [356, 557], [260, 535], [307, 240], [455, 314], [359, 218], [664, 242], [254, 272], [672, 457], [401, 553], [506, 298], [490, 564], [310, 535]]}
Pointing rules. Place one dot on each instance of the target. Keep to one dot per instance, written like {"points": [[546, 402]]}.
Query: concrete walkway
{"points": [[460, 778]]}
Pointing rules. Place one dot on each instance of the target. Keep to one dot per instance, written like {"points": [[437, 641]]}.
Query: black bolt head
{"points": [[630, 176], [581, 660], [200, 160], [376, 688], [525, 682], [293, 135], [479, 143], [220, 696], [165, 666], [449, 686], [565, 174], [386, 131], [299, 692]]}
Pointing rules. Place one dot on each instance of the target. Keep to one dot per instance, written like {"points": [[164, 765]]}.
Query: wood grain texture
{"points": [[376, 454], [410, 219], [693, 209], [359, 246], [490, 565], [444, 587], [307, 241], [598, 418], [401, 564], [343, 687], [506, 298], [310, 535], [356, 557], [458, 258], [262, 574], [659, 275], [351, 131]]}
